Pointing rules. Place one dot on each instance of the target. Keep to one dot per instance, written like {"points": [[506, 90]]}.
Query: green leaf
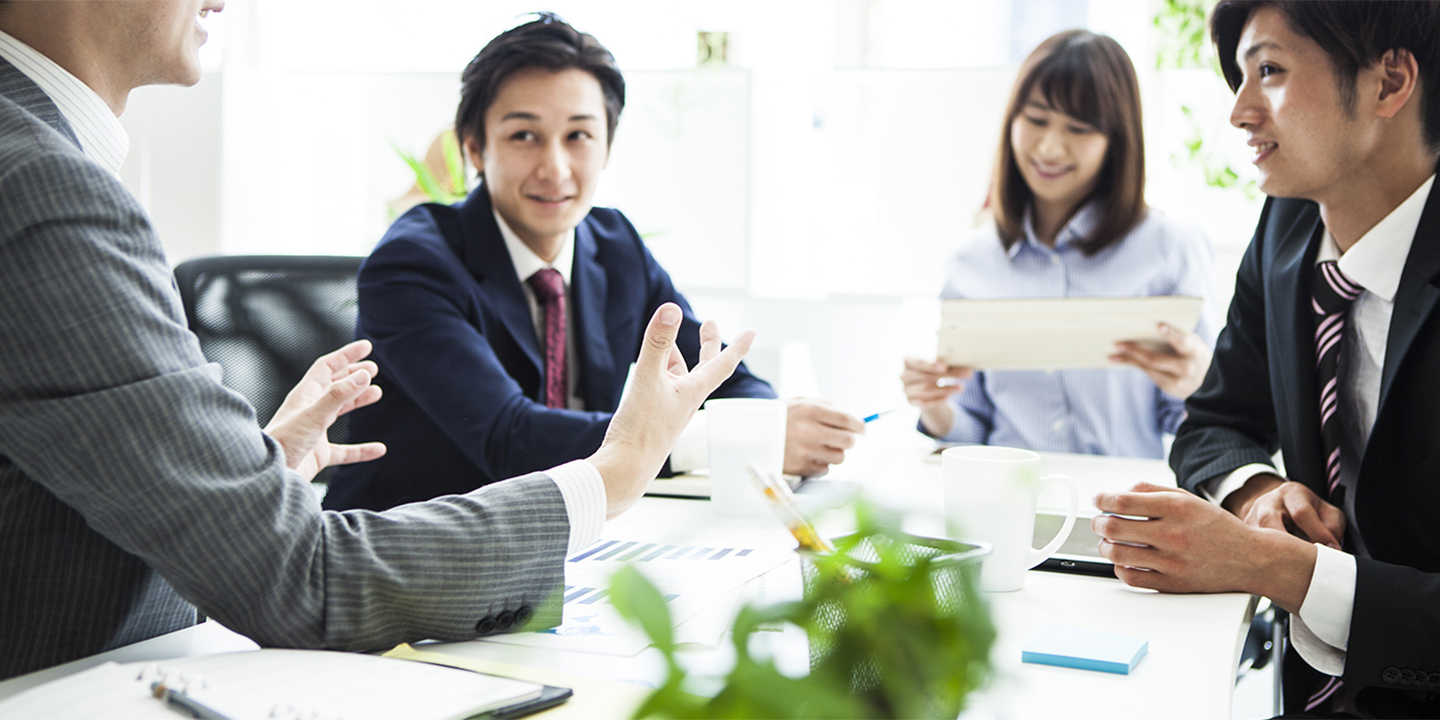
{"points": [[639, 602]]}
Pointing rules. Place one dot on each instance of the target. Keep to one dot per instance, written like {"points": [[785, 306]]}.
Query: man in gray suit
{"points": [[134, 487]]}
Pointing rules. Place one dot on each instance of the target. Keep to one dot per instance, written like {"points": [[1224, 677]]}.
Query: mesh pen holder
{"points": [[900, 619]]}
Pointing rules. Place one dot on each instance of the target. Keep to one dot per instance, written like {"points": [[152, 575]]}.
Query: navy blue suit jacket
{"points": [[461, 366]]}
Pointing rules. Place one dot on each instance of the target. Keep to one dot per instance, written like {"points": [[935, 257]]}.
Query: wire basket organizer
{"points": [[951, 570]]}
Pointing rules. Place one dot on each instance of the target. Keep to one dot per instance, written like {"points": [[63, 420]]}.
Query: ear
{"points": [[1399, 77], [472, 153]]}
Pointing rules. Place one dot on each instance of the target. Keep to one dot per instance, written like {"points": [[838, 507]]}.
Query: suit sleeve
{"points": [[108, 404], [1230, 420], [415, 307]]}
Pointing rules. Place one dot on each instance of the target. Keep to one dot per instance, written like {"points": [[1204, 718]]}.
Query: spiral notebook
{"points": [[275, 685]]}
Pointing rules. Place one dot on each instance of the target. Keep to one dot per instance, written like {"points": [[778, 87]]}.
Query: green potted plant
{"points": [[896, 624]]}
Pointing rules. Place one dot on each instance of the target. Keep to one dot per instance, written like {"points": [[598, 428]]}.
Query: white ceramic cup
{"points": [[743, 431], [990, 495]]}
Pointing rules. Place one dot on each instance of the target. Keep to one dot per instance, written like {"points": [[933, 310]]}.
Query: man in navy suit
{"points": [[1330, 355], [506, 323]]}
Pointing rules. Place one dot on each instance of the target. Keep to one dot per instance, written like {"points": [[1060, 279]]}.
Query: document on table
{"points": [[282, 684], [1055, 333], [692, 575]]}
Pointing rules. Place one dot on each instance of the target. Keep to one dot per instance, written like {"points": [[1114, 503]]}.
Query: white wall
{"points": [[810, 189]]}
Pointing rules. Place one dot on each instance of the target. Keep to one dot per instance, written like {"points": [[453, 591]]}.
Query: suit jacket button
{"points": [[523, 615], [1433, 680], [1391, 675], [485, 626], [506, 620], [1407, 677]]}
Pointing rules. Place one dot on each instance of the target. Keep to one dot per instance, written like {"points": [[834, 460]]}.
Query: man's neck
{"points": [[1351, 212], [547, 248], [67, 47]]}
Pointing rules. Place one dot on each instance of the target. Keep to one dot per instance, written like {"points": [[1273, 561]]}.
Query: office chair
{"points": [[265, 318]]}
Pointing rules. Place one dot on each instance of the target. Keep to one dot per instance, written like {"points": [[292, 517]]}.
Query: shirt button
{"points": [[1054, 259], [1058, 426]]}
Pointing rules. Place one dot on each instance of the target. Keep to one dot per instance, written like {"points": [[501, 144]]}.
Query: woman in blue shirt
{"points": [[1070, 220]]}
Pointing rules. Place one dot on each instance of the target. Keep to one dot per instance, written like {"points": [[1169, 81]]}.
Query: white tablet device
{"points": [[1079, 554]]}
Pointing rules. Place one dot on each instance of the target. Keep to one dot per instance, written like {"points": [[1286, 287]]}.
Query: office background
{"points": [[808, 186]]}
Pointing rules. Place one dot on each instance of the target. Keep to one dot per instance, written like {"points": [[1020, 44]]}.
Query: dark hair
{"points": [[1354, 34], [1090, 78], [547, 42]]}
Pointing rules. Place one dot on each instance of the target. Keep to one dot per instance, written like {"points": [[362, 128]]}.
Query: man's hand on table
{"points": [[660, 400], [817, 436], [1188, 545], [1270, 501]]}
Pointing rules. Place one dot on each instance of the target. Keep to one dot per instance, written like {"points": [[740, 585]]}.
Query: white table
{"points": [[1189, 672]]}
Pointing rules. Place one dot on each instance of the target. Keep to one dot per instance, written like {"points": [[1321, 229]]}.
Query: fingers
{"points": [[659, 339], [711, 373], [820, 412], [1143, 499], [709, 340], [1301, 508], [1148, 360], [369, 396], [336, 361], [347, 454]]}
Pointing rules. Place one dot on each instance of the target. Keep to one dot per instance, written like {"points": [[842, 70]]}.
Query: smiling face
{"points": [[1306, 143], [1059, 157], [545, 145]]}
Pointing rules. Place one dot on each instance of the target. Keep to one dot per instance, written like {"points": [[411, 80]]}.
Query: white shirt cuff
{"points": [[1216, 489], [1320, 632], [584, 493], [692, 450]]}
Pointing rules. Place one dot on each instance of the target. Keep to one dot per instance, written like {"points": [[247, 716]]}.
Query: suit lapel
{"points": [[489, 263], [1417, 295], [589, 287], [21, 90], [1294, 268]]}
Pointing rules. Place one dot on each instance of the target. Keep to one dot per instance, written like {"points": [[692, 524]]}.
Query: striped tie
{"points": [[549, 289], [1333, 295]]}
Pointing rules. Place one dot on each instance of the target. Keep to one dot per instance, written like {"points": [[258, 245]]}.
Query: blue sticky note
{"points": [[1084, 649]]}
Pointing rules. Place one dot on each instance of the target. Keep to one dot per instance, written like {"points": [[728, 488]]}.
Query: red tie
{"points": [[549, 290]]}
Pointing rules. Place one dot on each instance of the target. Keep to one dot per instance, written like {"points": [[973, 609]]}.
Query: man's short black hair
{"points": [[1354, 34], [547, 42]]}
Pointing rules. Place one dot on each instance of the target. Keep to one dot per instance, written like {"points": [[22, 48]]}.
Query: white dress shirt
{"points": [[1321, 631], [691, 449], [101, 136]]}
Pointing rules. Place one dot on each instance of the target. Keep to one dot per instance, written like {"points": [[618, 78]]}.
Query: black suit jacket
{"points": [[1261, 394]]}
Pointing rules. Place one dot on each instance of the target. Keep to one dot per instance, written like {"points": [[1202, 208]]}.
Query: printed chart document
{"points": [[275, 685], [1055, 333], [693, 575]]}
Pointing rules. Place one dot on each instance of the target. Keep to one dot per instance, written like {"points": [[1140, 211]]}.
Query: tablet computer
{"points": [[1079, 554]]}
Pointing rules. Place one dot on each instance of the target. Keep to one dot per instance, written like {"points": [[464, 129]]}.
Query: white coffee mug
{"points": [[743, 431], [990, 495]]}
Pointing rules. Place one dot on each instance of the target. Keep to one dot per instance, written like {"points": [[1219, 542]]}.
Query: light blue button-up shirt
{"points": [[1101, 411]]}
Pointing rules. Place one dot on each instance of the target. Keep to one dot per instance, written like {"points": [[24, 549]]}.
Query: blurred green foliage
{"points": [[897, 634]]}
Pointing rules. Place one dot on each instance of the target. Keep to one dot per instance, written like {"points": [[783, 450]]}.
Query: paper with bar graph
{"points": [[692, 576]]}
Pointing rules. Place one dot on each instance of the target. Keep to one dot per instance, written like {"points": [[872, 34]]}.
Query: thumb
{"points": [[659, 339]]}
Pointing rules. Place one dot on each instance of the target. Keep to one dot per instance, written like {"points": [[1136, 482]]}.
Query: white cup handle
{"points": [[1034, 557]]}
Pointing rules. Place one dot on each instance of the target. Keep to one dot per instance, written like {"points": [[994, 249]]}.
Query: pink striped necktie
{"points": [[1333, 294], [549, 290]]}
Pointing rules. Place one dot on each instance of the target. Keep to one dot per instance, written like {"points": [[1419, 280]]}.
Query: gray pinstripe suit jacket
{"points": [[133, 484]]}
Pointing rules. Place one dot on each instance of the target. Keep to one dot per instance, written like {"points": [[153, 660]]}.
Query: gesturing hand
{"points": [[335, 384], [662, 396], [1179, 372]]}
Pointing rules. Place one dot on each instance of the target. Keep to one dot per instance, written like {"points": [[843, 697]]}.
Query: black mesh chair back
{"points": [[265, 318]]}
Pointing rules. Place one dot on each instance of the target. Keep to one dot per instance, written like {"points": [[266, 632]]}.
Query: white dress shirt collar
{"points": [[1377, 259], [527, 263], [101, 136]]}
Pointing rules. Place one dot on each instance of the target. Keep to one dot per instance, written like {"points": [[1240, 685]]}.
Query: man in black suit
{"points": [[1330, 355]]}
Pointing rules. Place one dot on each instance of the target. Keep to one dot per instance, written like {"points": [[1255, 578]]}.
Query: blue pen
{"points": [[876, 416]]}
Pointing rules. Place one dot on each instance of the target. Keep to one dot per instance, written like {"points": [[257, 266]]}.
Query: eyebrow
{"points": [[1250, 52], [521, 115]]}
